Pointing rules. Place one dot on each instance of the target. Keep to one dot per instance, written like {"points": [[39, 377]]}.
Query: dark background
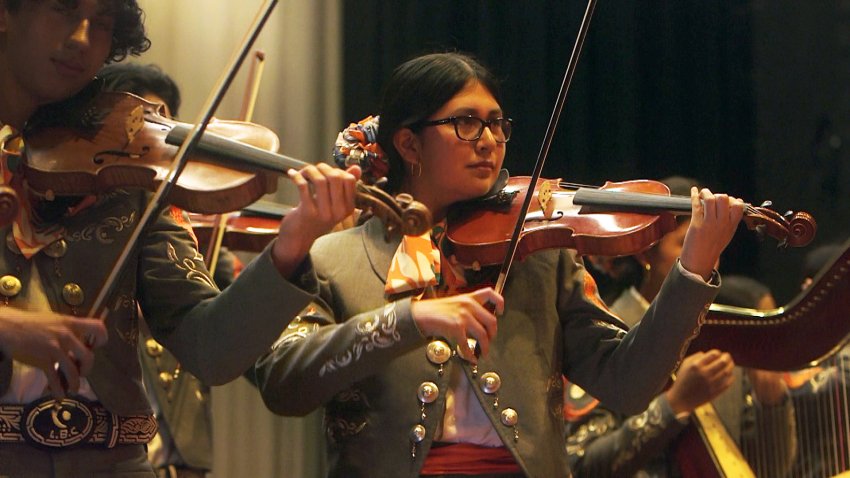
{"points": [[749, 97]]}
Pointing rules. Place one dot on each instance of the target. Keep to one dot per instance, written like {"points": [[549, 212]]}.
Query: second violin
{"points": [[617, 219]]}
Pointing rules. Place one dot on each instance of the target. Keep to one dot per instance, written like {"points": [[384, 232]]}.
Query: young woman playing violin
{"points": [[51, 269], [387, 347]]}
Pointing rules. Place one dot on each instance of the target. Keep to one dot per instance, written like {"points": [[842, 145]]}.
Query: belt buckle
{"points": [[54, 423]]}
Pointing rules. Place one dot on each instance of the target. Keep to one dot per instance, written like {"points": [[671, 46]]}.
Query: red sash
{"points": [[468, 459]]}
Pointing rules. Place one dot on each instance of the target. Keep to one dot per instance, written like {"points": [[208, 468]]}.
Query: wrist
{"points": [[680, 415], [701, 270], [287, 256], [676, 406]]}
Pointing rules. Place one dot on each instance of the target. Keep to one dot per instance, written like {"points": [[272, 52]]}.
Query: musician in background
{"points": [[820, 395], [183, 446], [601, 443]]}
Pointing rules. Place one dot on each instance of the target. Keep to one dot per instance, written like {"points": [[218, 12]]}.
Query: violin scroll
{"points": [[400, 214], [793, 229]]}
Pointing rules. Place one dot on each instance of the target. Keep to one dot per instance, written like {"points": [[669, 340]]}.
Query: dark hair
{"points": [[128, 34], [417, 89], [741, 291], [141, 80]]}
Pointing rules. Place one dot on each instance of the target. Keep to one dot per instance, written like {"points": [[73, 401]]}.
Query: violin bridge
{"points": [[544, 199], [134, 122]]}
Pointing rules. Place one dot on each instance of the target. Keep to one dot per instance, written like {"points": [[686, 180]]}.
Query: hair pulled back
{"points": [[417, 89]]}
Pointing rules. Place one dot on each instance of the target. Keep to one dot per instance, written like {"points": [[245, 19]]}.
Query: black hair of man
{"points": [[141, 80], [128, 32]]}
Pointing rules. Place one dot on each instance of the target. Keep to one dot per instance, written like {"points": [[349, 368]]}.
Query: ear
{"points": [[408, 146]]}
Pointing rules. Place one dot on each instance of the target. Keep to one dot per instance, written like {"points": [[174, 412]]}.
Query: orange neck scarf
{"points": [[417, 265]]}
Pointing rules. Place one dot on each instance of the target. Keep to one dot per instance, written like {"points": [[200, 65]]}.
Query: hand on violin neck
{"points": [[54, 343], [714, 219], [459, 318], [327, 196]]}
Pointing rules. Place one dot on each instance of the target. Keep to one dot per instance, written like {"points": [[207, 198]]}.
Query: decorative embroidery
{"points": [[577, 442], [372, 332], [646, 427], [555, 390], [104, 230], [339, 428], [194, 266], [344, 414], [297, 330], [351, 395], [9, 425], [131, 335]]}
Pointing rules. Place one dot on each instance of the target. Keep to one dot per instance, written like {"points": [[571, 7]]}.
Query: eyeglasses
{"points": [[470, 128]]}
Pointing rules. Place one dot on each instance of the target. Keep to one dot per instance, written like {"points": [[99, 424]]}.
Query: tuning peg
{"points": [[760, 231]]}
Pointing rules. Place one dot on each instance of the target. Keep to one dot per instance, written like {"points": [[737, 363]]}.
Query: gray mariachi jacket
{"points": [[216, 336], [183, 407], [602, 443], [366, 362]]}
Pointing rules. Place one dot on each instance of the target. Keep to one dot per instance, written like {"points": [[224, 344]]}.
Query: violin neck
{"points": [[233, 153], [632, 202]]}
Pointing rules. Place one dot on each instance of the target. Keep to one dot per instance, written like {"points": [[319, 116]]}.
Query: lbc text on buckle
{"points": [[56, 423]]}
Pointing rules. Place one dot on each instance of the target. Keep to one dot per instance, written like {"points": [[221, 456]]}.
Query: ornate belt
{"points": [[64, 423]]}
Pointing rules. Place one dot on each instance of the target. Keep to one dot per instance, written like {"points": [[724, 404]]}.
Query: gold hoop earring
{"points": [[418, 168]]}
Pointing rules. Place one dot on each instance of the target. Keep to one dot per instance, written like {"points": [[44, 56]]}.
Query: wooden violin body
{"points": [[553, 221], [248, 230], [127, 148], [616, 219]]}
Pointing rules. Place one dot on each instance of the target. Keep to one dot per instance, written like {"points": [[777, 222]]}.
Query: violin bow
{"points": [[547, 143], [249, 100], [181, 158]]}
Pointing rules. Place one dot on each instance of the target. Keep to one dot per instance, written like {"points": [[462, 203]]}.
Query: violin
{"points": [[123, 141], [249, 230], [617, 219], [125, 147]]}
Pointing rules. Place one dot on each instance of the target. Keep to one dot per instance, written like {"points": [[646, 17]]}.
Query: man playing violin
{"points": [[58, 251], [388, 348]]}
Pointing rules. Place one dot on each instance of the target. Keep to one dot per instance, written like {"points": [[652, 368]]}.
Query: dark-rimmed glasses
{"points": [[470, 128]]}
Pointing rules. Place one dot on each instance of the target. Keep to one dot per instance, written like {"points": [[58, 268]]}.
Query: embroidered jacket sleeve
{"points": [[216, 336], [626, 370], [319, 355], [602, 445]]}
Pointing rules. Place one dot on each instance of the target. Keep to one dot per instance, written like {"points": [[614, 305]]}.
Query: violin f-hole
{"points": [[99, 159]]}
